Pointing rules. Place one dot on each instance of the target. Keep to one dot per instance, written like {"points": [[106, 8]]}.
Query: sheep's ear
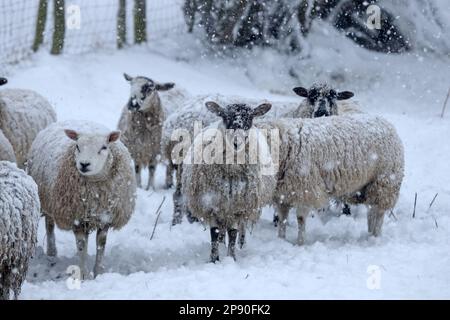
{"points": [[261, 110], [344, 95], [302, 92], [164, 86], [3, 81], [127, 77], [71, 134], [214, 108], [113, 136]]}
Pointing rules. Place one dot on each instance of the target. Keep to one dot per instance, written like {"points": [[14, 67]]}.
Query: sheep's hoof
{"points": [[346, 210], [214, 259], [191, 218]]}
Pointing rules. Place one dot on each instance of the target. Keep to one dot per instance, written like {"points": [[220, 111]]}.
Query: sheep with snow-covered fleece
{"points": [[142, 119], [358, 158], [184, 120], [322, 100], [221, 190], [19, 217], [6, 149], [23, 114], [86, 183]]}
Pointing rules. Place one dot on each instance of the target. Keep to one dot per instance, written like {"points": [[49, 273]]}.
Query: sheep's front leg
{"points": [[214, 242], [169, 175], [137, 170], [50, 230], [101, 242], [302, 214], [81, 238], [151, 176], [283, 212], [375, 218], [232, 235]]}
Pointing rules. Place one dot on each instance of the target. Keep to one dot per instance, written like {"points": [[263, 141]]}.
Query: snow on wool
{"points": [[80, 202], [23, 113], [141, 122], [19, 217]]}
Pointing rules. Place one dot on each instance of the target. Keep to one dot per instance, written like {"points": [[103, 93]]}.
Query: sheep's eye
{"points": [[103, 148]]}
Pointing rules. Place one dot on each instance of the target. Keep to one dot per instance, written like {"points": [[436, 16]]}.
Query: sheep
{"points": [[6, 149], [228, 194], [19, 217], [86, 183], [322, 100], [183, 121], [358, 158], [23, 113], [141, 123]]}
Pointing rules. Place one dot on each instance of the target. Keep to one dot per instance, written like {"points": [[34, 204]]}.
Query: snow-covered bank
{"points": [[411, 256]]}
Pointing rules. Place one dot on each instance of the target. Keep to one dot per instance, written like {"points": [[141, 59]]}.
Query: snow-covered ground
{"points": [[411, 259]]}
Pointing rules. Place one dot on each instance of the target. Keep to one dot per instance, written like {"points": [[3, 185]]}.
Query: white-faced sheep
{"points": [[220, 190], [86, 183], [358, 158], [19, 217], [141, 123], [23, 113], [184, 120]]}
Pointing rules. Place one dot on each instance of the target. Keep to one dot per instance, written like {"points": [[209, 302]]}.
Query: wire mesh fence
{"points": [[89, 25]]}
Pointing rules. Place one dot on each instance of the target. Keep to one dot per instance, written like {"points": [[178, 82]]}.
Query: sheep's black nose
{"points": [[84, 166]]}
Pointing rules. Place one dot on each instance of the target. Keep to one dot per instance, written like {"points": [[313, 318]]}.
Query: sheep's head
{"points": [[144, 90], [3, 81], [322, 98], [92, 150], [237, 119]]}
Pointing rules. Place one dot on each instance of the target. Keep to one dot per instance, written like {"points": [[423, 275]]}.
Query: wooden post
{"points": [[60, 27], [122, 24], [140, 21], [40, 24]]}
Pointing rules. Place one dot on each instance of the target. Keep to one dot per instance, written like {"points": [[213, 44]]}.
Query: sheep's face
{"points": [[92, 151], [237, 119], [323, 99], [144, 90], [3, 81]]}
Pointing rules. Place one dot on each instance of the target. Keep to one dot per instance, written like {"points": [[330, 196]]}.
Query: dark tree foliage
{"points": [[284, 23]]}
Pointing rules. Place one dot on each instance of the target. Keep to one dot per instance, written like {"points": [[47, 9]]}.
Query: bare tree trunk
{"points": [[140, 21], [189, 14], [122, 24], [40, 24], [60, 27]]}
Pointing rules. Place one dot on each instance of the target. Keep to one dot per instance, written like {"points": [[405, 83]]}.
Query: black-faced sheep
{"points": [[223, 191], [86, 183], [23, 114], [19, 217], [141, 123]]}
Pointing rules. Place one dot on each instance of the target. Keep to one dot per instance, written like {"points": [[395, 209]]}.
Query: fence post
{"points": [[40, 24], [122, 24], [140, 21], [60, 27]]}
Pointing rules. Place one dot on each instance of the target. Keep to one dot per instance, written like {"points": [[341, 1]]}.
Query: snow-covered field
{"points": [[411, 259]]}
